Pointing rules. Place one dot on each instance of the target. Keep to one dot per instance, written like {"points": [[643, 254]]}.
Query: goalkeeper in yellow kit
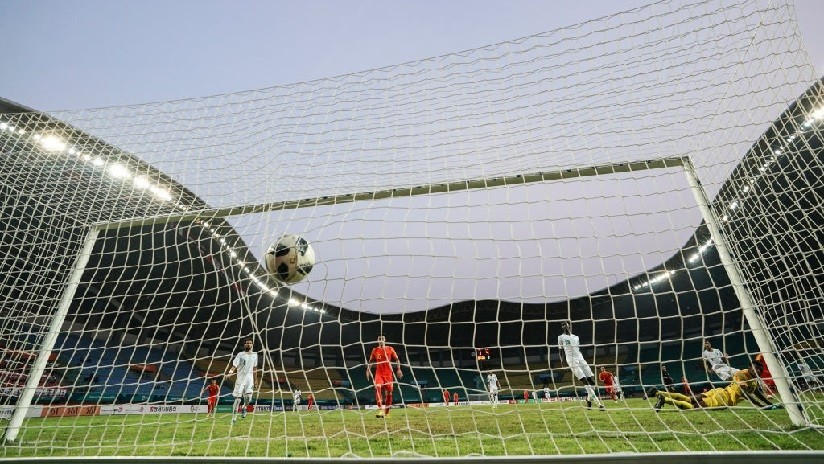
{"points": [[744, 385]]}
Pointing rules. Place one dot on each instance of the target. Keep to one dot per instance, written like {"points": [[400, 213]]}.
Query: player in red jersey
{"points": [[382, 357], [455, 398], [606, 379], [445, 397], [310, 401], [764, 374], [213, 389]]}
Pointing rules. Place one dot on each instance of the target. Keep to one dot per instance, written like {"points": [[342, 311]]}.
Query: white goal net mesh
{"points": [[654, 177]]}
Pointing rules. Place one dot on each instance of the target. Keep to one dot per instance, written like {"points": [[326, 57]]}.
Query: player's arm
{"points": [[398, 371], [561, 349], [369, 368], [758, 399]]}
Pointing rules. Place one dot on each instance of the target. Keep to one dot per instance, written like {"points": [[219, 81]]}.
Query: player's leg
{"points": [[676, 399], [247, 400], [235, 407], [379, 398], [578, 373], [237, 393], [387, 404], [592, 394]]}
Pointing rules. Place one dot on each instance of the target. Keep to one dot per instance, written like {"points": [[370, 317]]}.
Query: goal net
{"points": [[653, 177]]}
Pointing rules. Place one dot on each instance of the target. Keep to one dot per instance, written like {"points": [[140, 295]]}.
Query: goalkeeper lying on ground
{"points": [[743, 385]]}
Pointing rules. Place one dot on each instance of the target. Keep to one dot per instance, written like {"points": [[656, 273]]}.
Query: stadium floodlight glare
{"points": [[119, 171], [141, 182], [160, 193], [52, 143]]}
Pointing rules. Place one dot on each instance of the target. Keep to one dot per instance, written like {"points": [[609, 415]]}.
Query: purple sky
{"points": [[60, 54]]}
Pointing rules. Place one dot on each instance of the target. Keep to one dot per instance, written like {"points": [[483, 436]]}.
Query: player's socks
{"points": [[678, 397], [680, 404], [683, 404], [235, 406], [589, 404], [591, 395]]}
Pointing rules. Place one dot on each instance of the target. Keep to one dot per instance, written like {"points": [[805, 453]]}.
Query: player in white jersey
{"points": [[493, 385], [296, 393], [245, 364], [571, 352], [616, 387], [716, 361], [808, 375]]}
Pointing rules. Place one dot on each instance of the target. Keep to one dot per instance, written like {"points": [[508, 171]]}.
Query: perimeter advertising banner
{"points": [[119, 409], [6, 411], [70, 411]]}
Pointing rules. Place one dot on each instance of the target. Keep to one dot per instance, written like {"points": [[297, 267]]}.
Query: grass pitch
{"points": [[524, 429]]}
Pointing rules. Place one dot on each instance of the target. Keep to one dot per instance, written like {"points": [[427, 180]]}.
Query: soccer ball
{"points": [[290, 259]]}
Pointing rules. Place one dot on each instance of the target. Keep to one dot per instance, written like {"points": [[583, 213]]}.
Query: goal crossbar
{"points": [[699, 193], [446, 187]]}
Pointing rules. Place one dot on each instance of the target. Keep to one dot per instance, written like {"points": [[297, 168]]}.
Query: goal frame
{"points": [[703, 202]]}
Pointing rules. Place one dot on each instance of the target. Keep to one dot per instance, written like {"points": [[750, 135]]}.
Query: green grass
{"points": [[524, 429]]}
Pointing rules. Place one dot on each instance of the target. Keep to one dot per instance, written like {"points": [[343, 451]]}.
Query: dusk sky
{"points": [[60, 55], [425, 126]]}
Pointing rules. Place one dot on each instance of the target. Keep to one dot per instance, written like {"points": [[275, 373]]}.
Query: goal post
{"points": [[703, 203], [652, 178], [35, 375], [747, 306]]}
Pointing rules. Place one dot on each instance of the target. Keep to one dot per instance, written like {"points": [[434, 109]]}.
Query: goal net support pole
{"points": [[747, 306], [39, 366]]}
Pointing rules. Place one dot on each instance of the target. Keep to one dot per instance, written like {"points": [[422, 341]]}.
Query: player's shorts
{"points": [[211, 401], [384, 381], [580, 369], [493, 391], [243, 387], [716, 398], [723, 371]]}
